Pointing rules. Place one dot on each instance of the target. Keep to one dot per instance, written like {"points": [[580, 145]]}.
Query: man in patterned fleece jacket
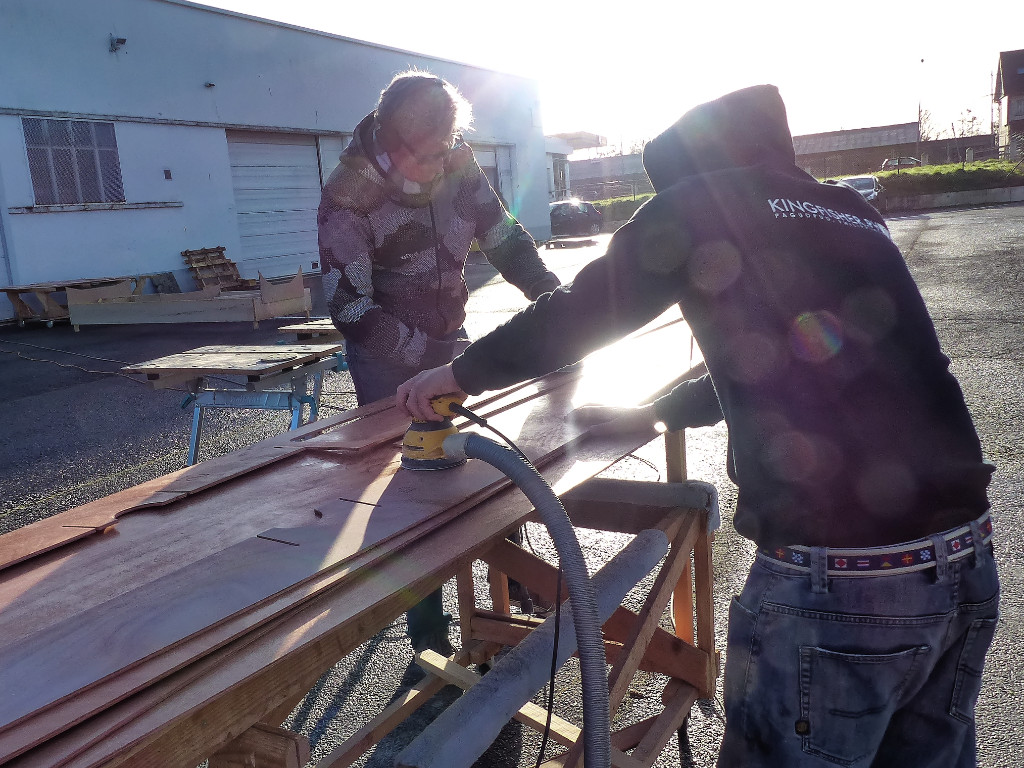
{"points": [[396, 221]]}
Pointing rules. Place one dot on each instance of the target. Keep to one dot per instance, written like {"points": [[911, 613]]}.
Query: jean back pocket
{"points": [[847, 699]]}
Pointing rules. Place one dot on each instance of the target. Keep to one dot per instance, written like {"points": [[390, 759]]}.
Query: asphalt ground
{"points": [[75, 430]]}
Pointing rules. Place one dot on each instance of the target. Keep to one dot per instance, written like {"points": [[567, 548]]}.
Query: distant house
{"points": [[1009, 95], [131, 130]]}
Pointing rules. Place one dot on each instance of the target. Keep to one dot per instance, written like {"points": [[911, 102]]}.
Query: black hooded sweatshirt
{"points": [[846, 428]]}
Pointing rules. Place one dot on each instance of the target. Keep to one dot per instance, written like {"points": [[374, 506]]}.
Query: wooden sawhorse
{"points": [[633, 641]]}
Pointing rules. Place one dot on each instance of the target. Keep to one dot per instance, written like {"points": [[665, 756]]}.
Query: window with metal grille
{"points": [[73, 161]]}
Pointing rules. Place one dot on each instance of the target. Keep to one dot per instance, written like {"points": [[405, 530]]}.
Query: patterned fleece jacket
{"points": [[394, 260]]}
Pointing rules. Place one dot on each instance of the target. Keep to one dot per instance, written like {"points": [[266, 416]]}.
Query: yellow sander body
{"points": [[421, 448]]}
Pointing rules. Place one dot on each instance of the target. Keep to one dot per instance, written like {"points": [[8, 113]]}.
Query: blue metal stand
{"points": [[284, 392]]}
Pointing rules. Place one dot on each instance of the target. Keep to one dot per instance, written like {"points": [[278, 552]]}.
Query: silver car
{"points": [[869, 188]]}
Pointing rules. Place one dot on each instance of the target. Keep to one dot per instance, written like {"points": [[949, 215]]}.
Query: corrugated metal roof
{"points": [[858, 138], [1010, 79]]}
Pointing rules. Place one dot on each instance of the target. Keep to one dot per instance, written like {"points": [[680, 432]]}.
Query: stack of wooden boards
{"points": [[153, 626], [46, 307], [117, 304]]}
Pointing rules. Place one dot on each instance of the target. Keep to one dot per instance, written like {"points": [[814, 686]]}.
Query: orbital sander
{"points": [[421, 448]]}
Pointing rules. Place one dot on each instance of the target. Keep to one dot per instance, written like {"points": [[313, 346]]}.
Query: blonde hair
{"points": [[417, 106]]}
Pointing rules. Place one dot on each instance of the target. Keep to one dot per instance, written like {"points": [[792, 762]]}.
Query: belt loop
{"points": [[977, 539], [942, 569], [819, 570]]}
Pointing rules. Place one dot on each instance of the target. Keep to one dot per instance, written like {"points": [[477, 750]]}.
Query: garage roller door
{"points": [[276, 179]]}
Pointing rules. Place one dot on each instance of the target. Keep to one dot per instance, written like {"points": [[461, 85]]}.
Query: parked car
{"points": [[899, 163], [574, 217], [869, 187]]}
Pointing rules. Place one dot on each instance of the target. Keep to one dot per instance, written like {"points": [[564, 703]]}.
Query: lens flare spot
{"points": [[887, 488], [792, 456], [871, 311], [816, 336], [754, 357], [714, 266]]}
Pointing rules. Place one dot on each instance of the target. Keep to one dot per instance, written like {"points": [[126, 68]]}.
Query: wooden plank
{"points": [[628, 506], [263, 746], [181, 719], [390, 717], [243, 660], [209, 292], [644, 629], [363, 435], [257, 571], [562, 731], [119, 289], [415, 536], [297, 489], [273, 292], [55, 532], [22, 310], [223, 309], [665, 653], [238, 361], [264, 309], [678, 698], [59, 530], [203, 308], [313, 328]]}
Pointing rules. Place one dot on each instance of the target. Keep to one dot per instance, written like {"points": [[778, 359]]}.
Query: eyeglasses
{"points": [[455, 142]]}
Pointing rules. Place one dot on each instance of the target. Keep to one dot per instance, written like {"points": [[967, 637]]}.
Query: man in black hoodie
{"points": [[861, 632]]}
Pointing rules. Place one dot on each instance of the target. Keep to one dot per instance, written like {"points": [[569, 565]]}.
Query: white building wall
{"points": [[57, 62], [66, 245]]}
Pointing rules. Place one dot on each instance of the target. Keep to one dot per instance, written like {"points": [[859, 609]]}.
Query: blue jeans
{"points": [[881, 671], [376, 378]]}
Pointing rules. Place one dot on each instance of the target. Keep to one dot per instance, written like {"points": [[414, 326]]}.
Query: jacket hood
{"points": [[365, 175], [742, 128]]}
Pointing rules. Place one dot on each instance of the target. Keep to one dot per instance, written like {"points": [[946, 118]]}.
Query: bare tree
{"points": [[636, 147], [925, 126], [969, 124]]}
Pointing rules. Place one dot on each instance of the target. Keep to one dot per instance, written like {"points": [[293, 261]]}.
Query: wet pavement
{"points": [[75, 431]]}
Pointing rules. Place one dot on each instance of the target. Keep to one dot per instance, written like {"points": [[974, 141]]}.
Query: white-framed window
{"points": [[72, 161], [1015, 109]]}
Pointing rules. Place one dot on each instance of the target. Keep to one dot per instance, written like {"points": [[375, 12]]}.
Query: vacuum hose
{"points": [[586, 620]]}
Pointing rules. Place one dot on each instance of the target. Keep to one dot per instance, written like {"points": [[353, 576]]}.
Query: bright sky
{"points": [[628, 69]]}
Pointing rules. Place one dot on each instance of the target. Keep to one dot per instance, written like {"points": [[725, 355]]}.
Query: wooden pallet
{"points": [[210, 267]]}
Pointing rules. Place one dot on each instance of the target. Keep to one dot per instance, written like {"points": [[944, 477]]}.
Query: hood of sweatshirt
{"points": [[743, 128], [366, 175]]}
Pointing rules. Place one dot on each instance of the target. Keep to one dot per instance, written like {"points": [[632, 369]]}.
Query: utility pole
{"points": [[917, 151]]}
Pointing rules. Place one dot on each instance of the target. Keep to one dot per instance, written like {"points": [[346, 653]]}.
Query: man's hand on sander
{"points": [[414, 396]]}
